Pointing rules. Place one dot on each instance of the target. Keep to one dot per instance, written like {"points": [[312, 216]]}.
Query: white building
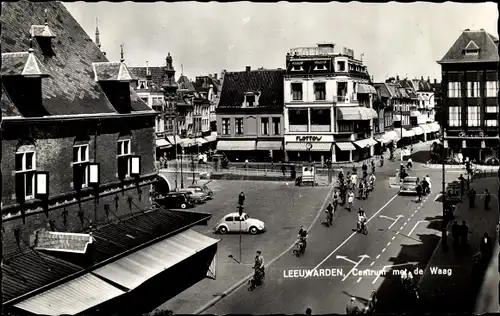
{"points": [[328, 105]]}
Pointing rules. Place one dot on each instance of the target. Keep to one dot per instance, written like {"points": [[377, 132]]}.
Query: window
{"points": [[319, 90], [491, 89], [225, 126], [143, 84], [491, 123], [492, 109], [264, 126], [25, 175], [145, 100], [239, 126], [345, 127], [297, 67], [320, 67], [455, 116], [296, 91], [454, 89], [473, 115], [250, 100], [80, 166], [473, 89], [123, 152], [276, 126], [321, 120], [341, 66]]}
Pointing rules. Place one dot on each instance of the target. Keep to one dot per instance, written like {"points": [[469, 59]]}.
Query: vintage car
{"points": [[233, 222]]}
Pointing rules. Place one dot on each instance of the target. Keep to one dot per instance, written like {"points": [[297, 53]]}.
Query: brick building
{"points": [[64, 107], [250, 115], [470, 95]]}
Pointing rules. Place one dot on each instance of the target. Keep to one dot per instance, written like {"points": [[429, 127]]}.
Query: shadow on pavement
{"points": [[435, 222], [422, 156], [392, 296]]}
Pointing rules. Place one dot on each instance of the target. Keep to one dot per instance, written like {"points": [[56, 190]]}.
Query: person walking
{"points": [[308, 312], [487, 199], [472, 198]]}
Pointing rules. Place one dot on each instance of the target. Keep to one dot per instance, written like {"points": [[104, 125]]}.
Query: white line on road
{"points": [[393, 237], [377, 257], [359, 280], [395, 220], [352, 235], [389, 266], [383, 250], [387, 217], [405, 224], [346, 259], [388, 244], [371, 264], [363, 257], [411, 231]]}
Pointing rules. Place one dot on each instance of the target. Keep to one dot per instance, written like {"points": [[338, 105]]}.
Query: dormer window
{"points": [[297, 66], [251, 100], [142, 84], [114, 78], [341, 66], [471, 49], [320, 65], [43, 35]]}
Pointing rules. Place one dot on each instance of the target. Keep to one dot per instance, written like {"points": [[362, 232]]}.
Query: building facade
{"points": [[250, 115], [328, 105], [77, 169], [470, 96], [209, 87]]}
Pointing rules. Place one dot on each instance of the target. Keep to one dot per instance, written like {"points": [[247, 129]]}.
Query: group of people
{"points": [[348, 184]]}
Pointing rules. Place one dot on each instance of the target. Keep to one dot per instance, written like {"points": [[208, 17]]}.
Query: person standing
{"points": [[462, 185], [308, 312], [329, 215], [419, 192], [283, 168], [487, 199], [241, 199], [472, 198]]}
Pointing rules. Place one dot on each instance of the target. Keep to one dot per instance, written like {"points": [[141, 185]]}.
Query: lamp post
{"points": [[443, 174]]}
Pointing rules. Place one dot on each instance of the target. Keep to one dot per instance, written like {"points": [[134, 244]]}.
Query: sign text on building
{"points": [[308, 138], [463, 134]]}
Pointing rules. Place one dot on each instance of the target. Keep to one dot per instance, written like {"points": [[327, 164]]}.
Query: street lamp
{"points": [[443, 174]]}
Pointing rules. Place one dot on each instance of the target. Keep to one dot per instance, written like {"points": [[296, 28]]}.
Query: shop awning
{"points": [[188, 142], [356, 113], [422, 119], [396, 117], [417, 130], [426, 128], [345, 146], [406, 133], [211, 138], [200, 141], [293, 146], [72, 297], [269, 145], [177, 140], [390, 135], [140, 266], [415, 114], [366, 89], [246, 145], [435, 127], [368, 142], [162, 143]]}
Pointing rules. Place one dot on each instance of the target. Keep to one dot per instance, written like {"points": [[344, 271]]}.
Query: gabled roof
{"points": [[268, 82], [71, 88], [156, 75], [22, 64], [185, 85], [382, 90], [111, 71], [485, 42]]}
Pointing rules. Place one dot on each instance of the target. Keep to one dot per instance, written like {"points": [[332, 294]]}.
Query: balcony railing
{"points": [[320, 128], [298, 128]]}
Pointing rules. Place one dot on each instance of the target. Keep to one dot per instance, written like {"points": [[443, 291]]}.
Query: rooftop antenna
{"points": [[182, 70], [121, 54], [147, 67], [46, 17]]}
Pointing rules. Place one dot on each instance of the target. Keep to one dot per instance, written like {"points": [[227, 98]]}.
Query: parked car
{"points": [[203, 188], [197, 196], [232, 223], [408, 186], [175, 200]]}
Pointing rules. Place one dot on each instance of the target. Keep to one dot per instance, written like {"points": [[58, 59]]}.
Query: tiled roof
{"points": [[268, 82], [185, 84], [382, 90], [41, 31], [393, 89], [111, 71], [71, 88], [22, 64], [488, 49], [157, 76], [29, 270]]}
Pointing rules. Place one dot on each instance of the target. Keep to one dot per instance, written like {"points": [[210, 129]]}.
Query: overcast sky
{"points": [[404, 39]]}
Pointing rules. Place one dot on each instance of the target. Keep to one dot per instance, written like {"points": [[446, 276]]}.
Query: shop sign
{"points": [[308, 139], [463, 134]]}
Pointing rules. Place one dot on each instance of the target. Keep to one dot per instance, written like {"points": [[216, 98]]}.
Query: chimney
{"points": [[428, 79], [422, 78], [435, 81], [248, 68], [215, 76], [397, 77], [371, 78]]}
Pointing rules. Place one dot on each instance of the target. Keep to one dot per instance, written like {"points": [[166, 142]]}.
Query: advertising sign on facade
{"points": [[309, 138]]}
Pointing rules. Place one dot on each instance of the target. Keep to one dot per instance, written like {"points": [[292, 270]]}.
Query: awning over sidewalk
{"points": [[415, 114], [243, 145], [406, 133], [71, 298], [363, 143], [269, 145], [293, 146], [435, 127], [422, 119], [200, 141], [388, 137], [140, 266], [426, 128], [211, 138], [162, 143], [174, 139], [356, 113], [345, 146], [418, 130], [366, 89]]}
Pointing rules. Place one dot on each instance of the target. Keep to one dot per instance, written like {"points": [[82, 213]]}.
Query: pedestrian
{"points": [[329, 215], [455, 233], [162, 162], [352, 308], [487, 199], [308, 312], [464, 234], [472, 198], [462, 185], [485, 247], [283, 168], [241, 199], [419, 192], [246, 164]]}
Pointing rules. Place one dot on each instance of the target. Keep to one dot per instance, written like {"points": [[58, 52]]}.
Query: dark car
{"points": [[175, 200], [203, 188], [408, 186]]}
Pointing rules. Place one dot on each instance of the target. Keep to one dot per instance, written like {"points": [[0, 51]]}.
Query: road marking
{"points": [[411, 231], [388, 244], [359, 280], [383, 216], [412, 215], [371, 264], [393, 237], [405, 224], [346, 259], [401, 227], [352, 235], [395, 220], [363, 257], [383, 250], [377, 257]]}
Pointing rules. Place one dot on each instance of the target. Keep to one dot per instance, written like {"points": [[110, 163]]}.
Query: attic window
{"points": [[471, 49], [143, 84], [320, 65], [296, 66]]}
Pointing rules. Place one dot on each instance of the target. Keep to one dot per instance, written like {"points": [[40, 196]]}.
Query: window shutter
{"points": [[77, 177], [122, 167], [20, 187]]}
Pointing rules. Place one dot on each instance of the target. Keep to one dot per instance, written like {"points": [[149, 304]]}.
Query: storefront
{"points": [[435, 128], [238, 150], [405, 136], [427, 132], [344, 151], [387, 139], [314, 148], [419, 134], [364, 148], [162, 147], [479, 148], [269, 150]]}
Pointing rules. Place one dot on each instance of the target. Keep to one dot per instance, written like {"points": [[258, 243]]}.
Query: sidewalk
{"points": [[457, 293]]}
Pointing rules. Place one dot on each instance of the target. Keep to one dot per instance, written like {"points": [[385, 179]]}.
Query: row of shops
{"points": [[319, 148], [171, 143]]}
